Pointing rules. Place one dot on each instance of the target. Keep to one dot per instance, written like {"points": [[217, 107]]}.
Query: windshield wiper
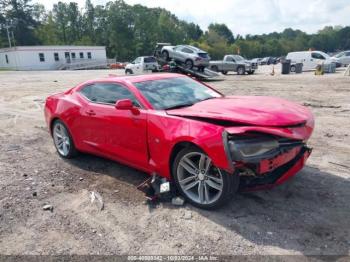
{"points": [[179, 106]]}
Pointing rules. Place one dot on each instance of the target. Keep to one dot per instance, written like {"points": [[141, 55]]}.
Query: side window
{"points": [[89, 55], [81, 55], [187, 50], [41, 57], [7, 59], [230, 59], [107, 93], [73, 55], [56, 57], [317, 56]]}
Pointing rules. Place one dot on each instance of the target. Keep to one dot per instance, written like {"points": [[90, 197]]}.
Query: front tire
{"points": [[292, 69], [241, 70], [251, 72], [63, 140], [224, 72], [200, 182]]}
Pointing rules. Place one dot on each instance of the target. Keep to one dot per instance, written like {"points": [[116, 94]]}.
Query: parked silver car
{"points": [[343, 58], [234, 63], [189, 55]]}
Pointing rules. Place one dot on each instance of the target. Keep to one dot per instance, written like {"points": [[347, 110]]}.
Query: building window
{"points": [[41, 57], [7, 59], [89, 55], [81, 55], [73, 55], [56, 57]]}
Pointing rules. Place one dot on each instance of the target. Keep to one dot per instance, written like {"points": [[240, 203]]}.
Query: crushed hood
{"points": [[249, 110]]}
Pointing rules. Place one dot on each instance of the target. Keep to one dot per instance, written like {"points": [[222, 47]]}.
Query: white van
{"points": [[310, 59]]}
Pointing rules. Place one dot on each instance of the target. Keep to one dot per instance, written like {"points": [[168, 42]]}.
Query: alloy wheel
{"points": [[199, 179], [61, 139]]}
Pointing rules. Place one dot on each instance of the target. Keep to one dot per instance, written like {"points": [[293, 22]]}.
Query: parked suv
{"points": [[189, 55]]}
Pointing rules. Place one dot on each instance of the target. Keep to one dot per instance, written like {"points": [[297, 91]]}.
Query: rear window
{"points": [[150, 59], [203, 55]]}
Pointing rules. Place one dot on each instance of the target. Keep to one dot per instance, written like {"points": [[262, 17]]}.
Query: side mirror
{"points": [[126, 104]]}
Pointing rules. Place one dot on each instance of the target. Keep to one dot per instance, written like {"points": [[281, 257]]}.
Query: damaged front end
{"points": [[263, 161]]}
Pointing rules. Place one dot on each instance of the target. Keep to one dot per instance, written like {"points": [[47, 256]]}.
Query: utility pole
{"points": [[8, 34]]}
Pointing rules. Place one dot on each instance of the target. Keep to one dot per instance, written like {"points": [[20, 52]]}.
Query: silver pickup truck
{"points": [[234, 63]]}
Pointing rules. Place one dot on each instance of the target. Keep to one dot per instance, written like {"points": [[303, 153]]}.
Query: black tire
{"points": [[214, 68], [224, 72], [129, 72], [72, 152], [165, 55], [230, 182], [189, 64], [241, 70], [292, 69], [251, 72]]}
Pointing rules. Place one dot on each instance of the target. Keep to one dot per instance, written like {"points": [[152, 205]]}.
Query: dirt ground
{"points": [[309, 215]]}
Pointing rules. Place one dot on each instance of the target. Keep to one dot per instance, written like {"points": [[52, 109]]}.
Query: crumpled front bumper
{"points": [[279, 175]]}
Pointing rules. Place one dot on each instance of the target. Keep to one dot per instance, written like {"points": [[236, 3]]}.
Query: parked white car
{"points": [[342, 57], [142, 64], [310, 59]]}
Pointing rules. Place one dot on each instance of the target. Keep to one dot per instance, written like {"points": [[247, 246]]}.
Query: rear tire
{"points": [[251, 72], [224, 72], [165, 55], [63, 141], [129, 72], [215, 68], [200, 182], [292, 69], [189, 64]]}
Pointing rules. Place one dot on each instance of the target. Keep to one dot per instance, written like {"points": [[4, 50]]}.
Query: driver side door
{"points": [[118, 134]]}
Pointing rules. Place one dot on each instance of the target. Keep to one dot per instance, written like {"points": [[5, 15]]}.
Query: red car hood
{"points": [[249, 110]]}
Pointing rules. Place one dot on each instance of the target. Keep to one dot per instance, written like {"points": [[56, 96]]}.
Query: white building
{"points": [[52, 57]]}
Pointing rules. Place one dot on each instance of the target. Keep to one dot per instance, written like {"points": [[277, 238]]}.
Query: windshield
{"points": [[174, 93], [339, 55], [239, 58], [324, 54]]}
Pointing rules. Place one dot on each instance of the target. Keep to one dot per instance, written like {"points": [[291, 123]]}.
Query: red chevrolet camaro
{"points": [[208, 144]]}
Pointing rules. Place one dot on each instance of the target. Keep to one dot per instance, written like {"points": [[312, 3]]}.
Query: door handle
{"points": [[90, 112]]}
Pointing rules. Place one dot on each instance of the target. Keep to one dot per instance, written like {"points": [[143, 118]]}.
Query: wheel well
{"points": [[51, 123], [176, 149]]}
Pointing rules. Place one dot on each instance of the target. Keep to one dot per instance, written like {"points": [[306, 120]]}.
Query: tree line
{"points": [[128, 31]]}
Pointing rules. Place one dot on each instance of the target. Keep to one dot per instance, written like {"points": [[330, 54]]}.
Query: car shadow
{"points": [[309, 213]]}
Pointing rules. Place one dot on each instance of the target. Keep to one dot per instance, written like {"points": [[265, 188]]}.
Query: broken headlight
{"points": [[250, 149]]}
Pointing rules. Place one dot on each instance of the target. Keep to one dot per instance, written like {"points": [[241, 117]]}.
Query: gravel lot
{"points": [[308, 215]]}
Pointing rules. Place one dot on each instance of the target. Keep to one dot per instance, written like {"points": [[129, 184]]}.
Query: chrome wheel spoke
{"points": [[187, 180], [215, 179], [201, 192], [191, 185], [188, 165], [214, 185], [206, 193]]}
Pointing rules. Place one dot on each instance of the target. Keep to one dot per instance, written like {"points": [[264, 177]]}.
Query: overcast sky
{"points": [[250, 16]]}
